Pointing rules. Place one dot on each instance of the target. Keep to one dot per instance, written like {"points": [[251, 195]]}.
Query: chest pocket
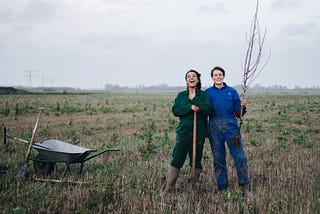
{"points": [[228, 102]]}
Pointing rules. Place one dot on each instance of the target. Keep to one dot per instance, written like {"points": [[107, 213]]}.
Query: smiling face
{"points": [[192, 79], [217, 77]]}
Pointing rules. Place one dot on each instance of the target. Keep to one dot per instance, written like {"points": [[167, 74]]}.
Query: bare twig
{"points": [[254, 54], [255, 46]]}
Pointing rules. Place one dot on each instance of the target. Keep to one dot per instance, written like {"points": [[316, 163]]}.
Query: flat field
{"points": [[281, 134]]}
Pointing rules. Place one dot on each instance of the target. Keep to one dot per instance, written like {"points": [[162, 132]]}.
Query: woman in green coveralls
{"points": [[186, 103]]}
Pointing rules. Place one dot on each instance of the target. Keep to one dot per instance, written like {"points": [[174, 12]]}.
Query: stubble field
{"points": [[281, 134]]}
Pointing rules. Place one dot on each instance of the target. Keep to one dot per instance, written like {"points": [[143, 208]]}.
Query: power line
{"points": [[29, 76]]}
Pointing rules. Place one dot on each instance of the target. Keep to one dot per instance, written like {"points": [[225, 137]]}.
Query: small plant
{"points": [[148, 136], [300, 139], [45, 130], [114, 140], [58, 107], [279, 147], [17, 110], [6, 109], [74, 137]]}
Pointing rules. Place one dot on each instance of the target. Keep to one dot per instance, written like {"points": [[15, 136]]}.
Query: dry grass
{"points": [[281, 134]]}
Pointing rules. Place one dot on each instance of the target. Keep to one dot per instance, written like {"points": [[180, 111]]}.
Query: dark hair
{"points": [[198, 76], [219, 69]]}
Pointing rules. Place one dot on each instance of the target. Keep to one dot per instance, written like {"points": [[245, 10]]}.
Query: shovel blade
{"points": [[22, 171]]}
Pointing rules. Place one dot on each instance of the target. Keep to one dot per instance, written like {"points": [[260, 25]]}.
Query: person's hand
{"points": [[243, 101], [195, 108]]}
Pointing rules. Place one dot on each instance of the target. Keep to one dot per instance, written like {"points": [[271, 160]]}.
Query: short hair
{"points": [[219, 69]]}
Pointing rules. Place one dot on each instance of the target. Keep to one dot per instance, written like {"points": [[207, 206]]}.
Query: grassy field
{"points": [[281, 135]]}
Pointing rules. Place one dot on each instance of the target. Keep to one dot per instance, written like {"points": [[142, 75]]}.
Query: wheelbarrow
{"points": [[52, 151], [55, 151]]}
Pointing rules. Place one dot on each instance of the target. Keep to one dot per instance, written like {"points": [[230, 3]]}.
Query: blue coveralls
{"points": [[223, 127]]}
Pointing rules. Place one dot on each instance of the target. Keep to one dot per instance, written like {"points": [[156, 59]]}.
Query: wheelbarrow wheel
{"points": [[42, 167]]}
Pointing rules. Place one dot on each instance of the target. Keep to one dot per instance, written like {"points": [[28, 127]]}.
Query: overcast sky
{"points": [[88, 43]]}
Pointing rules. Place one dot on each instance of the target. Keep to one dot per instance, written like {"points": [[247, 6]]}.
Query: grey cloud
{"points": [[38, 11], [286, 4], [154, 41], [295, 29], [111, 42], [6, 16], [216, 8]]}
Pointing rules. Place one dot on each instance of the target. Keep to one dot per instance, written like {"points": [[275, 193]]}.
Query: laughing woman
{"points": [[186, 103]]}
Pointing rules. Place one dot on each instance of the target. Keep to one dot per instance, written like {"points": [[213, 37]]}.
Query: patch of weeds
{"points": [[254, 142], [130, 110], [300, 139], [87, 106], [18, 111], [5, 110], [312, 131], [58, 107], [146, 150], [18, 210], [105, 110], [71, 109], [295, 130], [280, 147], [74, 137], [91, 112], [309, 144], [277, 127], [87, 132], [231, 196], [147, 135], [259, 128], [163, 140], [114, 140], [281, 138], [286, 132], [172, 122], [45, 130], [299, 122], [253, 125]]}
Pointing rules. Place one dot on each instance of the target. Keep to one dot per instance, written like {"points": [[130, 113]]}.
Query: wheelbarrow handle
{"points": [[15, 138], [24, 141], [104, 151]]}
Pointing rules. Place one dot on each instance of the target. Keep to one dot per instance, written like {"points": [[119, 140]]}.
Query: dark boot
{"points": [[197, 174], [246, 192], [172, 178]]}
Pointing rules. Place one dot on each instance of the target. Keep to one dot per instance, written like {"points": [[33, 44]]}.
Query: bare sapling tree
{"points": [[253, 58]]}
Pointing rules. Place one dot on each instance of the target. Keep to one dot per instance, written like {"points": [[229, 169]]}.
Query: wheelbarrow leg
{"points": [[55, 169], [67, 168], [4, 135], [81, 167]]}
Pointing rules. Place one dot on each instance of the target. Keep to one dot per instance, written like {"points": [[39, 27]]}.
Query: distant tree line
{"points": [[280, 89], [276, 89], [254, 89]]}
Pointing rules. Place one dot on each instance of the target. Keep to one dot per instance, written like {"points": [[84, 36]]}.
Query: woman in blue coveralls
{"points": [[223, 127]]}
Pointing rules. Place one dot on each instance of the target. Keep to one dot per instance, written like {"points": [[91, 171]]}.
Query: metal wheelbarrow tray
{"points": [[55, 151]]}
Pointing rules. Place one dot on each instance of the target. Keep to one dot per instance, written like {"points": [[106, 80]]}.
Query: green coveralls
{"points": [[184, 131]]}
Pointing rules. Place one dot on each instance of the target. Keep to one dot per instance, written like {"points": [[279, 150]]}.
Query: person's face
{"points": [[217, 77], [192, 79]]}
